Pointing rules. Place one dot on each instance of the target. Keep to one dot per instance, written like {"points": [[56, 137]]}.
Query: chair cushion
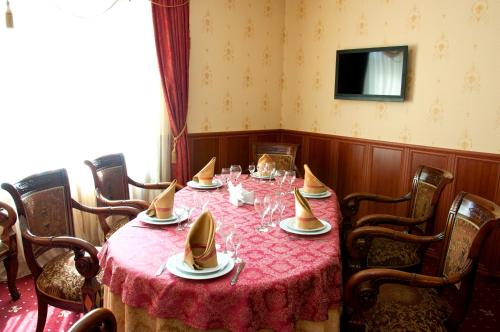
{"points": [[61, 280], [405, 308], [389, 253]]}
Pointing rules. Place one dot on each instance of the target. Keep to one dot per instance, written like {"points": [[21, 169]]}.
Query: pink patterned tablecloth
{"points": [[284, 280]]}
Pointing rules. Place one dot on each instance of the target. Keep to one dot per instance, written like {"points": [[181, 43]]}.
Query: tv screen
{"points": [[371, 73]]}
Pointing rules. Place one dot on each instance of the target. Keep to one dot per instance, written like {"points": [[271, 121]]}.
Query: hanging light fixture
{"points": [[9, 19]]}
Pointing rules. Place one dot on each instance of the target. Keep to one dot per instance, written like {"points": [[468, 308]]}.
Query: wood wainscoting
{"points": [[352, 165]]}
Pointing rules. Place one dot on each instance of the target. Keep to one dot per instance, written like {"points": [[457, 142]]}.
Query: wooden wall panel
{"points": [[384, 166], [352, 165]]}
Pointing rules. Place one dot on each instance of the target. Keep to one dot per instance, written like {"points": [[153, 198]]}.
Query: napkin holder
{"points": [[238, 195]]}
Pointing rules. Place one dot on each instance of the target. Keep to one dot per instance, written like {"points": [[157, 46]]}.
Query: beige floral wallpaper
{"points": [[236, 64], [269, 64]]}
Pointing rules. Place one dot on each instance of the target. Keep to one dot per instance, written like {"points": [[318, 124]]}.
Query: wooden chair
{"points": [[112, 182], [390, 300], [369, 244], [97, 320], [284, 154], [8, 247], [44, 207]]}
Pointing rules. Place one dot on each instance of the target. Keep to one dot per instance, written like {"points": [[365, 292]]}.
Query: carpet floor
{"points": [[21, 315]]}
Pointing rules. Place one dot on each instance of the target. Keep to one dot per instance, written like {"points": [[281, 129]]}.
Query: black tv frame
{"points": [[349, 96]]}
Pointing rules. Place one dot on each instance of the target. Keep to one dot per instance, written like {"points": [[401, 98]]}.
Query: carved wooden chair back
{"points": [[8, 247], [428, 184], [284, 154], [110, 177]]}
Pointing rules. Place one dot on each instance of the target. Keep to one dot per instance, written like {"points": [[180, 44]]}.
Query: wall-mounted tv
{"points": [[371, 73]]}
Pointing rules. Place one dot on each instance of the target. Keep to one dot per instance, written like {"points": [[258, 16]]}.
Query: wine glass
{"points": [[279, 176], [179, 214], [251, 168], [192, 204], [273, 206], [290, 179], [225, 230], [271, 167], [262, 208], [235, 172], [236, 240], [281, 204]]}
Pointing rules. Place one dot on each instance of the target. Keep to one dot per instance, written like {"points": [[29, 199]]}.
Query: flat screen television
{"points": [[371, 73]]}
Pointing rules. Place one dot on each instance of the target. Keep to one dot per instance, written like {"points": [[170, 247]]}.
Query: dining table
{"points": [[290, 282]]}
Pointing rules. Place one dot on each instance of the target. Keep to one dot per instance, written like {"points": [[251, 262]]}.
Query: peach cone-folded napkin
{"points": [[311, 183], [206, 174], [265, 158], [199, 251], [304, 217], [162, 205]]}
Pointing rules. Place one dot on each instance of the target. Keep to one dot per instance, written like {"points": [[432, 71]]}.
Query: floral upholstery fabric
{"points": [[462, 236], [60, 279], [112, 182], [404, 308], [423, 199], [3, 248], [115, 224], [389, 253]]}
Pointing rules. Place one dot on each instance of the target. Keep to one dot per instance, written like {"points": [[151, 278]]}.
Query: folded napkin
{"points": [[206, 174], [162, 205], [311, 183], [238, 195], [199, 252], [262, 160], [304, 217]]}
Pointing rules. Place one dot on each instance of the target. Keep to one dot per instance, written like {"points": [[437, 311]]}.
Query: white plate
{"points": [[258, 176], [222, 260], [215, 184], [285, 225], [142, 216], [310, 195], [172, 268]]}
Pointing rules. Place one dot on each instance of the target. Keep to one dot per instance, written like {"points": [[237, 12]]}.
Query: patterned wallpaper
{"points": [[236, 64], [269, 64]]}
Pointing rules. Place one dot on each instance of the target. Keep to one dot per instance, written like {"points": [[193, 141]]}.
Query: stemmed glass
{"points": [[235, 240], [279, 176], [262, 207], [273, 206], [224, 175], [179, 213], [235, 172], [281, 204], [290, 179], [225, 230], [251, 169], [271, 167], [192, 204]]}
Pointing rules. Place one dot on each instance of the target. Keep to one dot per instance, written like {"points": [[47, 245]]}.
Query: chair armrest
{"points": [[374, 219], [359, 239], [350, 203], [160, 185], [107, 211], [93, 319], [135, 203], [7, 220], [362, 288], [86, 261]]}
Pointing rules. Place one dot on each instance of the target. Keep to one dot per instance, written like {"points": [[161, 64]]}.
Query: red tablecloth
{"points": [[284, 279]]}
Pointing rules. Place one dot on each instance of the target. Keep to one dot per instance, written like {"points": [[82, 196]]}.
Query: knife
{"points": [[238, 271]]}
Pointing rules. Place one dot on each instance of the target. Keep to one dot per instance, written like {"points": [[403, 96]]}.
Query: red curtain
{"points": [[171, 28]]}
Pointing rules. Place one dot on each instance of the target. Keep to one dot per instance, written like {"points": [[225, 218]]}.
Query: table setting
{"points": [[206, 273]]}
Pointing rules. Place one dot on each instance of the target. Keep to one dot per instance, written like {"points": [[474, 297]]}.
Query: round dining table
{"points": [[290, 281]]}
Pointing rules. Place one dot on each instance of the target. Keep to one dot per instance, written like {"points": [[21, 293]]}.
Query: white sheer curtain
{"points": [[78, 82], [383, 73]]}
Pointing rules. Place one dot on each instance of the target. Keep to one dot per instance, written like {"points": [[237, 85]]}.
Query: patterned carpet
{"points": [[484, 313]]}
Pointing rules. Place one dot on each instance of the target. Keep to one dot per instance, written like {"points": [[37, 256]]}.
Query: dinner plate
{"points": [[287, 226], [222, 260], [197, 185], [172, 268], [142, 216], [311, 195], [264, 177]]}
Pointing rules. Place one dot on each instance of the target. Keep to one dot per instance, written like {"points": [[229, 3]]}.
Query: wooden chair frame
{"points": [[8, 219], [97, 320]]}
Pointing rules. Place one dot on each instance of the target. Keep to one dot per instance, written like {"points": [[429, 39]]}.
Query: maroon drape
{"points": [[171, 28]]}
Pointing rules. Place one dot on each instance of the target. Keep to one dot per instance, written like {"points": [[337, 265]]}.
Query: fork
{"points": [[161, 269]]}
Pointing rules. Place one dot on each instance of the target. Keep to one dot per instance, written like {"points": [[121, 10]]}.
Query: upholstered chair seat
{"points": [[404, 308], [115, 224], [3, 248], [395, 254], [60, 279]]}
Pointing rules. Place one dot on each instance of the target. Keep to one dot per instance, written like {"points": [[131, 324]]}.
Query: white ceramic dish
{"points": [[142, 216], [310, 195], [262, 177], [222, 260], [196, 185], [288, 226], [172, 268]]}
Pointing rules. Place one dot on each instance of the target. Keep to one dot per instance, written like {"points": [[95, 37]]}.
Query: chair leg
{"points": [[42, 314], [11, 265]]}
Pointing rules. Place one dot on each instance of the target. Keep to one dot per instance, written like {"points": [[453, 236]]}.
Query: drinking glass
{"points": [[235, 172], [179, 213], [203, 200], [225, 230], [279, 176], [282, 204], [271, 167], [290, 179], [224, 176], [262, 208], [273, 206], [236, 240], [251, 169], [192, 204]]}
